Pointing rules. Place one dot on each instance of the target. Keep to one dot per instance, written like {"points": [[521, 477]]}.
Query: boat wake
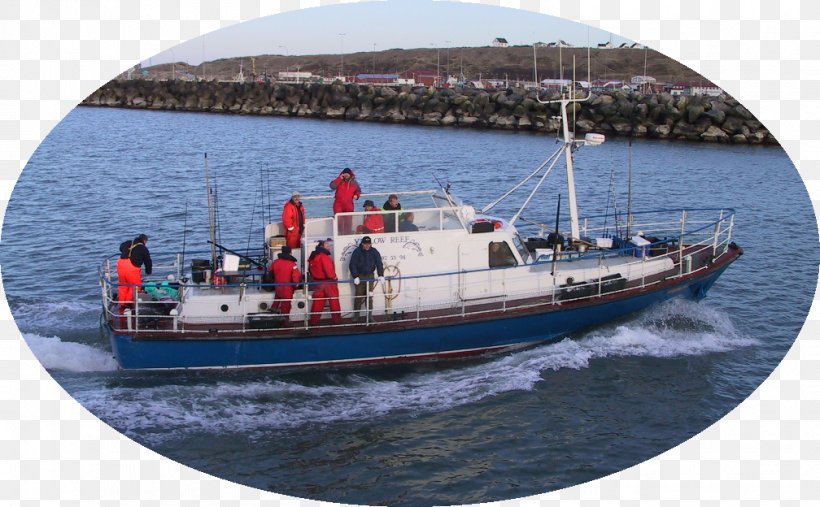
{"points": [[54, 317], [253, 406], [58, 355]]}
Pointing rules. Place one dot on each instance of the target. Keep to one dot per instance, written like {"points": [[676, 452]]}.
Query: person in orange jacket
{"points": [[326, 291], [284, 270], [347, 189], [293, 217], [373, 221], [133, 255]]}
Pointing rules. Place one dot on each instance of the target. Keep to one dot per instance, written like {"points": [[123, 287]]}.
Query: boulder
{"points": [[448, 120], [714, 134], [431, 119]]}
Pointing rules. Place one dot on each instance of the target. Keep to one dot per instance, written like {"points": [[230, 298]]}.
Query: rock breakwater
{"points": [[659, 116]]}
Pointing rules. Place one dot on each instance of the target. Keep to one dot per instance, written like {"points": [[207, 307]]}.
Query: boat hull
{"points": [[415, 341]]}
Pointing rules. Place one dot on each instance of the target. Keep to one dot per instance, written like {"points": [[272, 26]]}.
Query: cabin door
{"points": [[475, 280]]}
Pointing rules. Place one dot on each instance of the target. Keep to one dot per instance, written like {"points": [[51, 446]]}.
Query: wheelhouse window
{"points": [[501, 255]]}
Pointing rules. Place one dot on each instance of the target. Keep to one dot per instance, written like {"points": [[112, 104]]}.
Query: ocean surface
{"points": [[495, 428]]}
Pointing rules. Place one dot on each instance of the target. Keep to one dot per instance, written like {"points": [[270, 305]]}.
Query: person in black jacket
{"points": [[133, 256], [391, 204], [365, 262]]}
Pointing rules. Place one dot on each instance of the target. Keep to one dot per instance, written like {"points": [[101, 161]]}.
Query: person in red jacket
{"points": [[133, 255], [284, 270], [293, 216], [373, 221], [347, 189], [325, 291]]}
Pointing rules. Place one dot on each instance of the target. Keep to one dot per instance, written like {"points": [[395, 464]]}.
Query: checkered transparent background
{"points": [[54, 53]]}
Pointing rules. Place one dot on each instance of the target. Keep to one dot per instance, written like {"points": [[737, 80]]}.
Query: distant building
{"points": [[555, 84], [294, 76], [423, 77], [642, 80], [377, 78], [609, 85], [605, 45], [540, 44], [694, 88], [558, 84], [559, 44], [500, 42]]}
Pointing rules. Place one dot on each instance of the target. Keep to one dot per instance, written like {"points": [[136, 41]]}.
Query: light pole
{"points": [[438, 64], [287, 58], [342, 52], [461, 66], [374, 58], [448, 42]]}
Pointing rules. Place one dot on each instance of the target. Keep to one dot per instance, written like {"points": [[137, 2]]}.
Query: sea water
{"points": [[492, 428]]}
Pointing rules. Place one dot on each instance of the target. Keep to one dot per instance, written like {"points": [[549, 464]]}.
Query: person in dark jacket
{"points": [[133, 256], [406, 224], [391, 204], [285, 271], [325, 291], [365, 262]]}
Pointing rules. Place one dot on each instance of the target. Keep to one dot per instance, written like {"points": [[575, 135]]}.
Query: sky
{"points": [[405, 24]]}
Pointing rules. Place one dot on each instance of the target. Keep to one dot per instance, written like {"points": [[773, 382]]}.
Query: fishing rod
{"points": [[211, 216], [629, 194], [609, 200], [253, 214], [184, 235], [557, 234]]}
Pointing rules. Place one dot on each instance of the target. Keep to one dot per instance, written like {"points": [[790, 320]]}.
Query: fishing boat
{"points": [[462, 282]]}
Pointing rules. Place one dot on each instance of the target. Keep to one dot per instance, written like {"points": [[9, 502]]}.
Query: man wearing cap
{"points": [[325, 290], [373, 221], [293, 217], [285, 271], [364, 263], [347, 189], [133, 256]]}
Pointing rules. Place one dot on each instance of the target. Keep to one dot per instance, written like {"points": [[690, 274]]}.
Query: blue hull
{"points": [[459, 339]]}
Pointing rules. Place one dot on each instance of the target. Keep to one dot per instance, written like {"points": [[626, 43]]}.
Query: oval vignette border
{"points": [[762, 450]]}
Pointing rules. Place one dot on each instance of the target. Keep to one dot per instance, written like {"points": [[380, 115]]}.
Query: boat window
{"points": [[450, 220], [425, 220], [519, 245], [501, 255]]}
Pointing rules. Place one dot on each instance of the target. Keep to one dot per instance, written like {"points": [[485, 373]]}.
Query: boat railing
{"points": [[430, 296]]}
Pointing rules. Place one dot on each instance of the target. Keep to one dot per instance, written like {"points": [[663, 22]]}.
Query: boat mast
{"points": [[573, 202], [568, 97]]}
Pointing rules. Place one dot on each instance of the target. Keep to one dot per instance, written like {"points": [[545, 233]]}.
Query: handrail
{"points": [[710, 240]]}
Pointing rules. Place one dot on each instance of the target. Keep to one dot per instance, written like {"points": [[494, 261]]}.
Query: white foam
{"points": [[63, 315], [258, 407], [55, 354]]}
